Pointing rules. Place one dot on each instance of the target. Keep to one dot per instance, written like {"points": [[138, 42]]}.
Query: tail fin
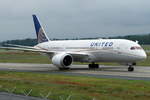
{"points": [[41, 35]]}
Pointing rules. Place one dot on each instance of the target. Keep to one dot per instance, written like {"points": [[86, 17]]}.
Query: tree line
{"points": [[142, 39]]}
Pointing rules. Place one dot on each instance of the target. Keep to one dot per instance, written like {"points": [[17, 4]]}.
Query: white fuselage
{"points": [[99, 50]]}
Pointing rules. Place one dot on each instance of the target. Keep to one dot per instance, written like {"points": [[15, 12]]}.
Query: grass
{"points": [[81, 88], [22, 57], [146, 47]]}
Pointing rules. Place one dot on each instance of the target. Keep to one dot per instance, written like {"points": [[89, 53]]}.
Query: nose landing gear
{"points": [[130, 68]]}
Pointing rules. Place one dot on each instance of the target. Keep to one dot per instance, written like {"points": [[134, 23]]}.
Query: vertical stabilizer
{"points": [[41, 35]]}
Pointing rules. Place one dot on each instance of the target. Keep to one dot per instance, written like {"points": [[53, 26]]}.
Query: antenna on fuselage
{"points": [[137, 41]]}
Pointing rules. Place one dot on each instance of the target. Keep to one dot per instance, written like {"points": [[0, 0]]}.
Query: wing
{"points": [[19, 46], [75, 54], [26, 49]]}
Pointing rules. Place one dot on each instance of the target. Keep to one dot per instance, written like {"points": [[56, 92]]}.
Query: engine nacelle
{"points": [[62, 60]]}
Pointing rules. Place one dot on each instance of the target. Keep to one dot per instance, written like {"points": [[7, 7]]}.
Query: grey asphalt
{"points": [[140, 73], [8, 96]]}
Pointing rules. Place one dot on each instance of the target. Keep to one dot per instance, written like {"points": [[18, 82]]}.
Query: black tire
{"points": [[93, 66], [96, 66], [90, 66], [130, 69], [67, 68]]}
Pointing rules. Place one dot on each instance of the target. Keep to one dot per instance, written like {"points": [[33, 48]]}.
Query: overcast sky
{"points": [[74, 18]]}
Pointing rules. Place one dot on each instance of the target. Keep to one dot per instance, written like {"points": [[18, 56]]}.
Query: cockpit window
{"points": [[135, 48], [132, 48]]}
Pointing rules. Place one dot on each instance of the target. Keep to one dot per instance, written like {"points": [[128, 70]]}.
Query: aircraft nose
{"points": [[143, 55]]}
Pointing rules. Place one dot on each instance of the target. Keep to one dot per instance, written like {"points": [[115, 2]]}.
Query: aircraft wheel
{"points": [[67, 68], [130, 69], [93, 66]]}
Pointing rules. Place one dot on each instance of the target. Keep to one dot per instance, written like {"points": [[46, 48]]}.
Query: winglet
{"points": [[41, 35]]}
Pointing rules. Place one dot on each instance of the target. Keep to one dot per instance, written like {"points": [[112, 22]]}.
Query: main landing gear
{"points": [[93, 66], [65, 68]]}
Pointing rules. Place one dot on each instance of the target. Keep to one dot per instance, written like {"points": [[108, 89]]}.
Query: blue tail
{"points": [[41, 35]]}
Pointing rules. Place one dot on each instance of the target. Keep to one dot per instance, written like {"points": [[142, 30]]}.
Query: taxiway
{"points": [[140, 73]]}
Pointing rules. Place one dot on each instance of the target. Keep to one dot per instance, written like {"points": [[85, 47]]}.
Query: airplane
{"points": [[63, 53]]}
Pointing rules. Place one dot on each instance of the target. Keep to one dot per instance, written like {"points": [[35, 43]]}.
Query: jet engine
{"points": [[62, 60]]}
